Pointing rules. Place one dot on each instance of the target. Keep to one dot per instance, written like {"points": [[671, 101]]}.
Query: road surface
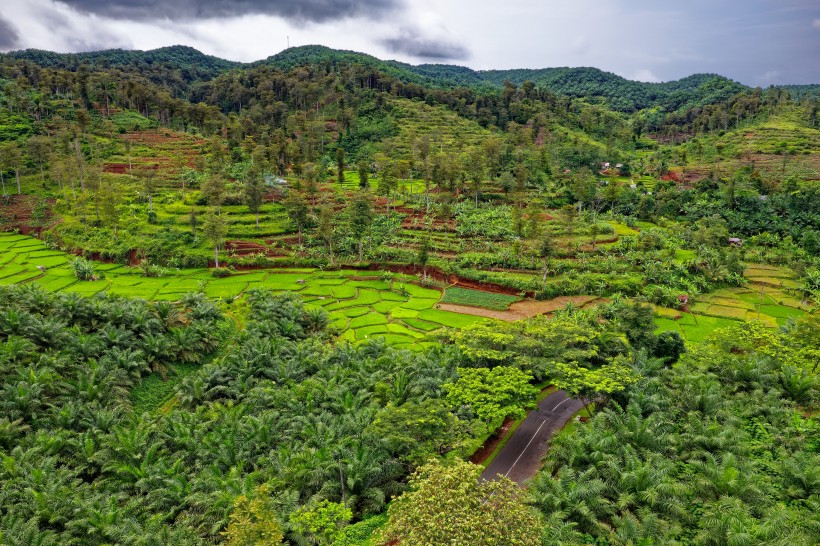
{"points": [[520, 458]]}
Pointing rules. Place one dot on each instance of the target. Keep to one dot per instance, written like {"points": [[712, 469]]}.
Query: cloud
{"points": [[815, 23], [299, 11], [437, 46], [645, 75], [9, 37]]}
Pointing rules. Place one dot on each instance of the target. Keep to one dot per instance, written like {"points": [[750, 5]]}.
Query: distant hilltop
{"points": [[583, 82]]}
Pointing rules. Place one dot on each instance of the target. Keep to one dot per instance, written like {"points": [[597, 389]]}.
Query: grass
{"points": [[477, 298], [153, 390]]}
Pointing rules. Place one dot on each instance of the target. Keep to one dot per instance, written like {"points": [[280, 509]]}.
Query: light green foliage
{"points": [[449, 504], [591, 385], [413, 430], [537, 344], [322, 522], [253, 521], [492, 394]]}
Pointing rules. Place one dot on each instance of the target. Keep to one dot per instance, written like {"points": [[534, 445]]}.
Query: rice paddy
{"points": [[361, 305]]}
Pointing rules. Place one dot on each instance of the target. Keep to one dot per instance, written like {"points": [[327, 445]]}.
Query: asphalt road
{"points": [[520, 458]]}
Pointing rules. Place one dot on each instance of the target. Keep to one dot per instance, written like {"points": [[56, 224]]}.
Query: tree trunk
{"points": [[216, 256], [17, 176], [3, 181], [257, 218], [361, 250]]}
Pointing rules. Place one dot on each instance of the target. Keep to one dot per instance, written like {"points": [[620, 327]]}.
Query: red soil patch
{"points": [[247, 248], [16, 214], [522, 309], [492, 442]]}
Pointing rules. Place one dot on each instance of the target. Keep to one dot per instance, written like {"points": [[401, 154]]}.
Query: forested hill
{"points": [[192, 64], [618, 93]]}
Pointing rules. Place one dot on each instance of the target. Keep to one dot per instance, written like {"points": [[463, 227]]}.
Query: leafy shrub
{"points": [[221, 272], [83, 269], [152, 270]]}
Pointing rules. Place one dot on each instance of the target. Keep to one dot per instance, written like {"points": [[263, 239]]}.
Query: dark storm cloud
{"points": [[412, 42], [314, 11], [9, 37]]}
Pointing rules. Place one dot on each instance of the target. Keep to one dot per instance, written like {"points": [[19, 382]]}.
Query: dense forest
{"points": [[308, 300]]}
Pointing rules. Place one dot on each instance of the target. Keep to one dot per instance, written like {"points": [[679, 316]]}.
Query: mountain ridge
{"points": [[591, 83]]}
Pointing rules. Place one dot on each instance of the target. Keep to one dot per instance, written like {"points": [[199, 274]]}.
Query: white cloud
{"points": [[641, 39], [645, 75]]}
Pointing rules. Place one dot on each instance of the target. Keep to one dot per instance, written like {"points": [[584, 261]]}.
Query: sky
{"points": [[756, 42]]}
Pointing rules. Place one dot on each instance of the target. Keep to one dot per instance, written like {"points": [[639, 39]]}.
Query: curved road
{"points": [[520, 458]]}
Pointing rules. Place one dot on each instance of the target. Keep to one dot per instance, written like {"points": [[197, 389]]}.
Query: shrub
{"points": [[221, 272], [151, 270], [83, 269]]}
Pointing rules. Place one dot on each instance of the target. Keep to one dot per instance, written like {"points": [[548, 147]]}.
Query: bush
{"points": [[83, 269], [151, 270], [221, 272]]}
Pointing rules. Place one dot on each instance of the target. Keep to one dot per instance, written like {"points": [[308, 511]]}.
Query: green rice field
{"points": [[361, 305]]}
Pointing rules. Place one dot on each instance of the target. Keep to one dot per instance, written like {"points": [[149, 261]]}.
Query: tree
{"points": [[253, 521], [593, 384], [214, 190], [340, 165], [254, 193], [424, 256], [11, 158], [147, 176], [568, 218], [322, 522], [39, 149], [360, 217], [492, 394], [363, 169], [546, 249], [450, 504], [110, 208], [297, 209], [193, 220], [415, 430], [584, 187], [326, 228], [215, 229]]}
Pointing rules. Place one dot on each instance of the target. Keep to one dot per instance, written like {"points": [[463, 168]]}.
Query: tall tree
{"points": [[340, 165], [297, 210], [11, 158], [215, 229], [326, 228], [214, 190], [360, 217], [39, 149], [363, 169], [254, 192]]}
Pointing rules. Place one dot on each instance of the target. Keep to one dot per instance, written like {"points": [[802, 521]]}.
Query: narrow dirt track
{"points": [[520, 458]]}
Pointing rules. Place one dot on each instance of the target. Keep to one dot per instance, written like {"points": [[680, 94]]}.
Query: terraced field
{"points": [[765, 298], [361, 306]]}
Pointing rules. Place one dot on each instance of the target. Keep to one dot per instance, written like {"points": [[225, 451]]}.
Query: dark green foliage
{"points": [[705, 452], [277, 406]]}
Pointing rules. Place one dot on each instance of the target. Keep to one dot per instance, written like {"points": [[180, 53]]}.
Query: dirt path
{"points": [[520, 458], [520, 309]]}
